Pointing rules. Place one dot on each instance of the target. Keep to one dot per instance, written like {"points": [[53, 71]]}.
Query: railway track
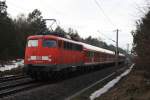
{"points": [[9, 90], [21, 84], [52, 90], [11, 77]]}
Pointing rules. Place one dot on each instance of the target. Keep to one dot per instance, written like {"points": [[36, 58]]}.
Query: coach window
{"points": [[49, 43], [65, 45], [88, 53], [70, 46], [92, 54], [73, 46], [79, 47]]}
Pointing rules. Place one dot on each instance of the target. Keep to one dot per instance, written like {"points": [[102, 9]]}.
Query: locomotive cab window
{"points": [[32, 43], [49, 43]]}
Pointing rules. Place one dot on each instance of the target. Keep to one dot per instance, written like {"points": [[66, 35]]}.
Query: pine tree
{"points": [[142, 41], [7, 34]]}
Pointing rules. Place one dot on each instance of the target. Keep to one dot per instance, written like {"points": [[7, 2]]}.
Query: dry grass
{"points": [[134, 87]]}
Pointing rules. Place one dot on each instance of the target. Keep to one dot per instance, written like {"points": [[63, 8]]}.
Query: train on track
{"points": [[49, 54]]}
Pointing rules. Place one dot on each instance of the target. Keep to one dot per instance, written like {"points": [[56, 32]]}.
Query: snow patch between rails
{"points": [[14, 64], [110, 84]]}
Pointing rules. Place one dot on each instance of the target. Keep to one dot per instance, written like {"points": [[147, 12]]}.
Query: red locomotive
{"points": [[46, 54]]}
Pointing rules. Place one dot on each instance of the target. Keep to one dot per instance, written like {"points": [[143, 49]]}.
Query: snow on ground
{"points": [[109, 84], [14, 64]]}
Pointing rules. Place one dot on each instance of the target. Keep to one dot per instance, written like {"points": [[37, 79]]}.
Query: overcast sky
{"points": [[87, 16]]}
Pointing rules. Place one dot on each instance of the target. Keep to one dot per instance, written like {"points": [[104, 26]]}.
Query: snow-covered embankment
{"points": [[109, 84], [13, 65]]}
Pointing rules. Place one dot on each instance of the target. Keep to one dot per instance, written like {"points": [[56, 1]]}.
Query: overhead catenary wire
{"points": [[107, 37], [109, 20], [102, 10]]}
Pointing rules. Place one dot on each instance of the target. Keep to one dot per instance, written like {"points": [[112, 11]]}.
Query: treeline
{"points": [[14, 32], [141, 39]]}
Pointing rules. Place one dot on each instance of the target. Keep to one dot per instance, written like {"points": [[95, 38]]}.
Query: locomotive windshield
{"points": [[49, 43], [32, 43]]}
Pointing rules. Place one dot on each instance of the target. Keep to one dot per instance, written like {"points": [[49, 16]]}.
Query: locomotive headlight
{"points": [[33, 58], [45, 58]]}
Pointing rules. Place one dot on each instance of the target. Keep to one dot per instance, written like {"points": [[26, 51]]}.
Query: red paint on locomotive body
{"points": [[39, 54], [56, 54]]}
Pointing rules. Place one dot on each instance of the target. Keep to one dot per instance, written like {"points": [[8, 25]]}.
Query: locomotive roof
{"points": [[85, 46]]}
